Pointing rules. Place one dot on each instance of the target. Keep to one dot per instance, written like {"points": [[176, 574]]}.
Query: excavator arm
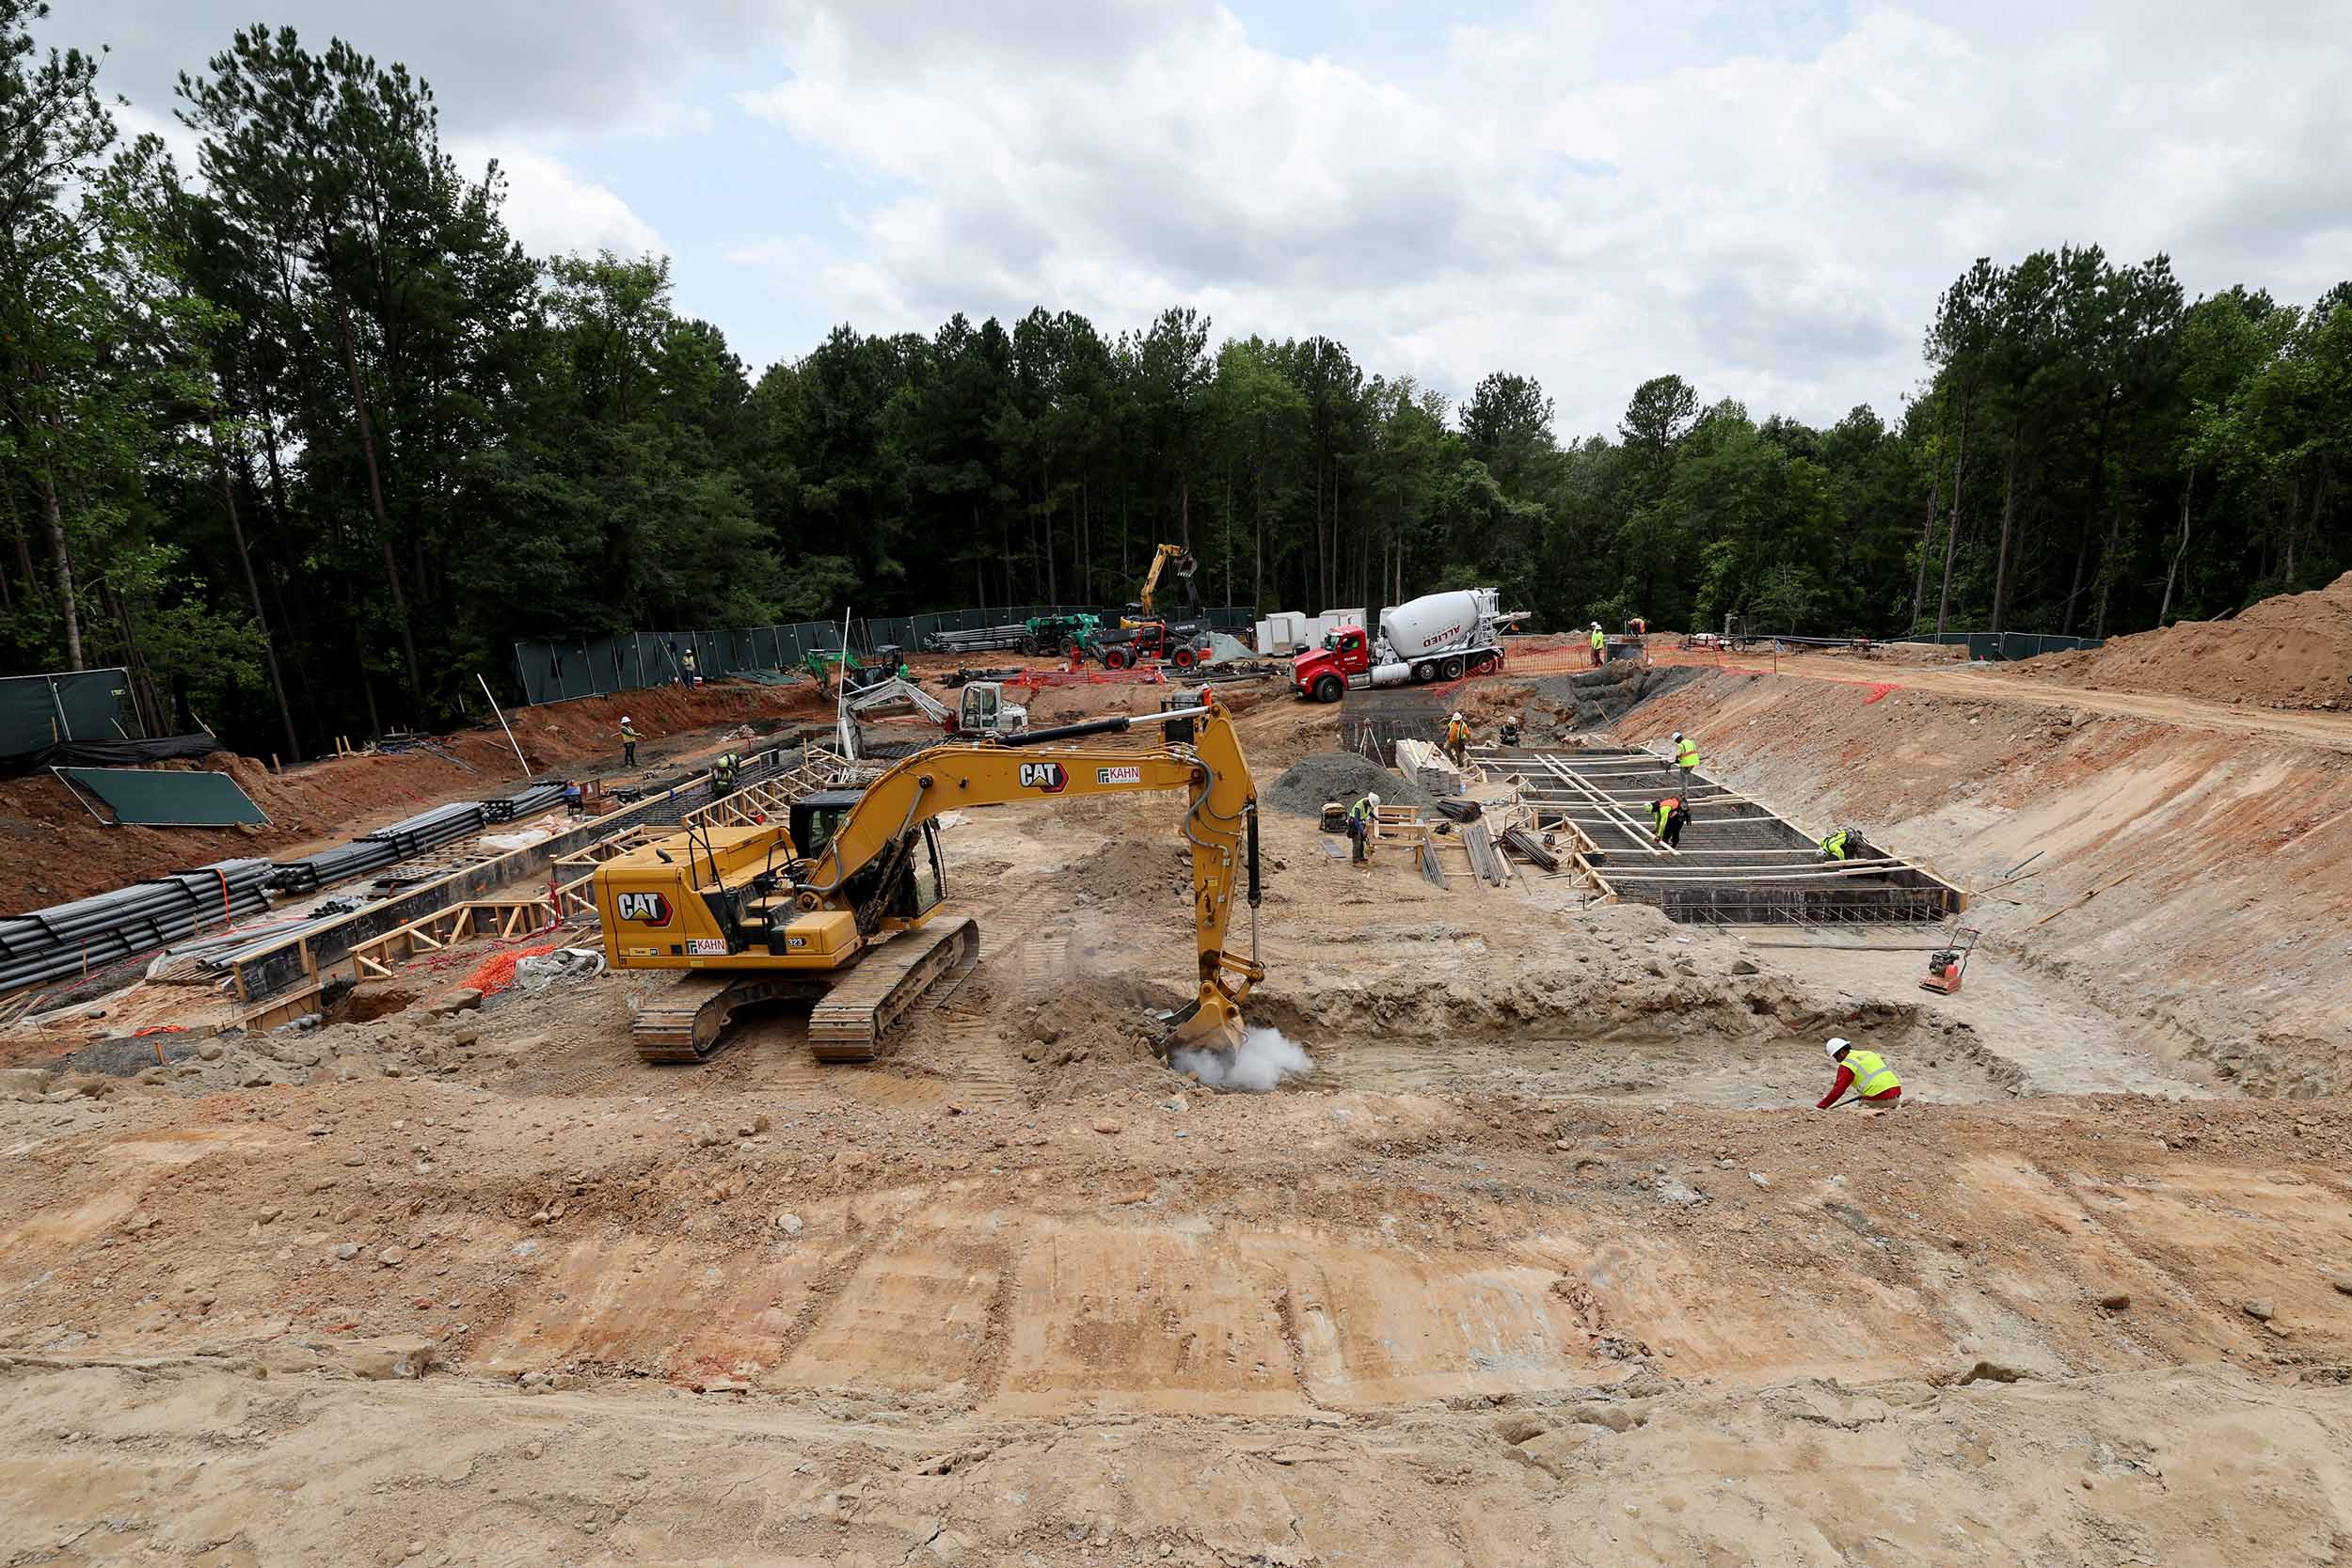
{"points": [[1186, 564], [1198, 753]]}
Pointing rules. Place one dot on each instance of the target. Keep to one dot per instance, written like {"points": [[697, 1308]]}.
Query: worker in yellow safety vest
{"points": [[722, 774], [1834, 844], [1457, 739], [1685, 758], [628, 742], [1866, 1072], [1362, 817], [1600, 646]]}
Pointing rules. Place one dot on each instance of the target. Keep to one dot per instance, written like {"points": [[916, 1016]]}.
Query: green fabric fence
{"points": [[554, 670], [2008, 647], [65, 705], [168, 798]]}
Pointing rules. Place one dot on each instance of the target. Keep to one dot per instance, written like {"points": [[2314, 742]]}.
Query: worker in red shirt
{"points": [[1866, 1072]]}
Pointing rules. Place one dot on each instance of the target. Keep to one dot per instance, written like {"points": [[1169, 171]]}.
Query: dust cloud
{"points": [[1266, 1057]]}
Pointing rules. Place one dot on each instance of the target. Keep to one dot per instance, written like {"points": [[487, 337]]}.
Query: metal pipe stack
{"points": [[982, 640], [70, 939], [430, 829], [544, 795]]}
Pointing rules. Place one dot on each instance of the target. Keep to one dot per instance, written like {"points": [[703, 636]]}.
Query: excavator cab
{"points": [[817, 816], [921, 878], [982, 711]]}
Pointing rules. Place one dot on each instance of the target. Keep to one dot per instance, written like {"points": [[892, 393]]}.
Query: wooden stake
{"points": [[502, 725]]}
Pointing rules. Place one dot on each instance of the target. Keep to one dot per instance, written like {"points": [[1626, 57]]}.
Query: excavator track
{"points": [[853, 1022], [685, 1023]]}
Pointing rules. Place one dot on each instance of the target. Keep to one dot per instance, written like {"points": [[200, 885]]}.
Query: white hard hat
{"points": [[1678, 735], [1373, 799], [624, 718], [1836, 1045], [1457, 713]]}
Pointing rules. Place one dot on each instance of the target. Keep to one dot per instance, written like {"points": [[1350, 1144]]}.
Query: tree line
{"points": [[305, 438]]}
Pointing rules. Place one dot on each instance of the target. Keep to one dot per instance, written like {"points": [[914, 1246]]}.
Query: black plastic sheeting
{"points": [[70, 939], [110, 754]]}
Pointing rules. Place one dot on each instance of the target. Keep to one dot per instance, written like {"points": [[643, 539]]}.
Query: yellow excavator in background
{"points": [[1187, 564], [838, 906]]}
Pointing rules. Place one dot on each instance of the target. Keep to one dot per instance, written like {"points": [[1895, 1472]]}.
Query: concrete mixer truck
{"points": [[1437, 637]]}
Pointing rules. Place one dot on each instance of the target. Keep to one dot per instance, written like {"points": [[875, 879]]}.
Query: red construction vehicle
{"points": [[1130, 645]]}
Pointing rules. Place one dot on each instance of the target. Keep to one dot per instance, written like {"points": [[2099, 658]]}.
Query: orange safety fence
{"points": [[496, 972]]}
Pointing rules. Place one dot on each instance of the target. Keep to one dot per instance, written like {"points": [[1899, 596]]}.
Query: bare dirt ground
{"points": [[1547, 1261]]}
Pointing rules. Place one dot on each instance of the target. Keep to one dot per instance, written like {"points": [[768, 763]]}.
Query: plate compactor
{"points": [[1946, 965]]}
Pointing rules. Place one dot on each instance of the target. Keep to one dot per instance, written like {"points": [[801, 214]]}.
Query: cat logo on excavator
{"points": [[646, 909], [1050, 777]]}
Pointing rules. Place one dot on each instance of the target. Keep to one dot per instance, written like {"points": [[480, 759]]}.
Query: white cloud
{"points": [[1767, 201], [552, 213]]}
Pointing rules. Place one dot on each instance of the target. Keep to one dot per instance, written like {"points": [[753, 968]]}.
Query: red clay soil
{"points": [[52, 848], [2291, 651]]}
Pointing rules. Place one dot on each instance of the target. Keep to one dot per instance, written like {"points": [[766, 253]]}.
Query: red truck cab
{"points": [[1322, 672]]}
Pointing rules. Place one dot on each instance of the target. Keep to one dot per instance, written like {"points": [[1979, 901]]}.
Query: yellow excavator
{"points": [[842, 906], [1187, 564]]}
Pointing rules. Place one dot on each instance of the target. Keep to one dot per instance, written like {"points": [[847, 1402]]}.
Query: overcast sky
{"points": [[1765, 197]]}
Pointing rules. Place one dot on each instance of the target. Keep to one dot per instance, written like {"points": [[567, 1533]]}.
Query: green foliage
{"points": [[311, 439]]}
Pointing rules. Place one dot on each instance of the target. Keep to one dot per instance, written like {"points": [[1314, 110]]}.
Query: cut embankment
{"points": [[2180, 877]]}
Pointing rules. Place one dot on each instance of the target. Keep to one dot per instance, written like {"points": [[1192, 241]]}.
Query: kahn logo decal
{"points": [[1050, 777], [648, 908]]}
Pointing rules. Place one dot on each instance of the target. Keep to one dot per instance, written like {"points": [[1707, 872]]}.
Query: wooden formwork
{"points": [[507, 919]]}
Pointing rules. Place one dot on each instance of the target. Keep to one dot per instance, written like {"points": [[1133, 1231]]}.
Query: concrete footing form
{"points": [[1739, 864]]}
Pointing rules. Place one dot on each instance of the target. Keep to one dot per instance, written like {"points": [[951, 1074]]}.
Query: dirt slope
{"points": [[2186, 880], [2294, 650], [53, 849]]}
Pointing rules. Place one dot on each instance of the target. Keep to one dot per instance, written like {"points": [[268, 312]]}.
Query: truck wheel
{"points": [[1181, 658], [1453, 667], [1115, 659], [1327, 688], [1424, 672], [1028, 646]]}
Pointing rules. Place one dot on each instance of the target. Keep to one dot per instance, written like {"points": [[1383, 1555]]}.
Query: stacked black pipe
{"points": [[430, 829], [68, 939], [530, 802], [385, 846]]}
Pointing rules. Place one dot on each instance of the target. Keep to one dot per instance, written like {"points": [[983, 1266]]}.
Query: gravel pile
{"points": [[1340, 776]]}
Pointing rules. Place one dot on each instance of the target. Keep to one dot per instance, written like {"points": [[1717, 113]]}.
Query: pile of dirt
{"points": [[1124, 868], [2294, 650], [1338, 776]]}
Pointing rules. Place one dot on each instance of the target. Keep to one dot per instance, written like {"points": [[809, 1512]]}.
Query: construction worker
{"points": [[1510, 733], [1866, 1072], [628, 742], [1600, 646], [1362, 817], [1685, 758], [686, 659], [1457, 739], [1672, 818], [722, 774], [1835, 846]]}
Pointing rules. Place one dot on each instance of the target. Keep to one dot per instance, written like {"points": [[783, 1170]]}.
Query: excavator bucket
{"points": [[1211, 1023]]}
